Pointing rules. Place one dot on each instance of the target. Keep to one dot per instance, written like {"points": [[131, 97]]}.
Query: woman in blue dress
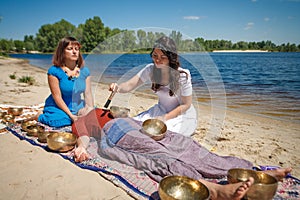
{"points": [[70, 85]]}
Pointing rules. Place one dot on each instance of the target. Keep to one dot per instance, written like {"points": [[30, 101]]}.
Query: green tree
{"points": [[19, 46], [6, 45], [142, 39], [93, 33], [49, 35], [129, 41], [29, 43]]}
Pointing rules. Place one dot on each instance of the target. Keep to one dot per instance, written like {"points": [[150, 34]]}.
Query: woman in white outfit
{"points": [[171, 83]]}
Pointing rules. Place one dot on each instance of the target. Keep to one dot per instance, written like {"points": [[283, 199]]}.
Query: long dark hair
{"points": [[168, 47], [59, 54]]}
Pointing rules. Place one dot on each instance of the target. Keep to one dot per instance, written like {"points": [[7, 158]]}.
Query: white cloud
{"points": [[191, 17], [249, 26], [266, 19]]}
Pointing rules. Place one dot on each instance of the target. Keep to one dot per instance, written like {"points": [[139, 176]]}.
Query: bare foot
{"points": [[234, 191], [279, 173]]}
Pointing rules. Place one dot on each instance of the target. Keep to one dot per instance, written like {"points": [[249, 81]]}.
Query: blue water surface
{"points": [[263, 83]]}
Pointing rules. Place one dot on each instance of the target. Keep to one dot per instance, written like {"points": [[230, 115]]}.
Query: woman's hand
{"points": [[114, 87], [85, 110], [74, 117], [80, 154]]}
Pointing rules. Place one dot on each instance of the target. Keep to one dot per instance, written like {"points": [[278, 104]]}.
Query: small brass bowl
{"points": [[34, 129], [42, 135], [119, 112], [24, 125], [154, 128], [2, 114], [15, 111], [264, 187], [182, 188], [61, 141], [9, 118]]}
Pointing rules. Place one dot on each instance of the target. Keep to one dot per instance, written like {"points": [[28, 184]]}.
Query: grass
{"points": [[13, 76], [26, 79]]}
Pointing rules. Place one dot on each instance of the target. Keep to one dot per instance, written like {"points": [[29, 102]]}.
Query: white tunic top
{"points": [[185, 123]]}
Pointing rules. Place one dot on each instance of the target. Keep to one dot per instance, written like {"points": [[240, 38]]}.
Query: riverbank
{"points": [[29, 172], [240, 51]]}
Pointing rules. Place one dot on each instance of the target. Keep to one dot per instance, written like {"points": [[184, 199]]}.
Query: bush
{"points": [[27, 79], [12, 76]]}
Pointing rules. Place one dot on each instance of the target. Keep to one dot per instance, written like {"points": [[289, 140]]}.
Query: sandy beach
{"points": [[29, 172]]}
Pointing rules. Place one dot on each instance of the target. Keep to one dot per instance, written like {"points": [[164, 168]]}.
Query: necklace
{"points": [[72, 74]]}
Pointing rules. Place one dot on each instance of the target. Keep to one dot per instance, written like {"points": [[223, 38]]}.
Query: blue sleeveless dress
{"points": [[72, 91]]}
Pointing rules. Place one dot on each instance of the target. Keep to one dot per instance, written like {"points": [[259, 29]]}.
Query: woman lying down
{"points": [[120, 139]]}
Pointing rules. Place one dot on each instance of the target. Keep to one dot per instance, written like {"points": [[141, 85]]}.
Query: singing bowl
{"points": [[154, 128], [2, 114], [25, 124], [182, 188], [61, 141], [34, 129], [15, 111], [42, 136], [9, 118], [119, 112], [264, 187]]}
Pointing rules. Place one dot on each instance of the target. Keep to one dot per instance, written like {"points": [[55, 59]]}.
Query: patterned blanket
{"points": [[135, 182]]}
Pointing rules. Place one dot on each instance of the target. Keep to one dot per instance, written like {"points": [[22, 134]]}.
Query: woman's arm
{"points": [[184, 106], [55, 91], [88, 97], [127, 86], [89, 101]]}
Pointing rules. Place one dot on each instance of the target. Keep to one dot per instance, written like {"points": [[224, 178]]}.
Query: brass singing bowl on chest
{"points": [[154, 128], [182, 188], [264, 187], [61, 141]]}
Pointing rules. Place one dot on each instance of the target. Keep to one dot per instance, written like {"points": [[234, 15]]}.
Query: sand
{"points": [[29, 172]]}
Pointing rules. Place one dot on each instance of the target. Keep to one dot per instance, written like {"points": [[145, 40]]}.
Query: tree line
{"points": [[97, 38]]}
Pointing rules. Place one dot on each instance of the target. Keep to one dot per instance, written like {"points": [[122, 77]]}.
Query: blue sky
{"points": [[235, 20]]}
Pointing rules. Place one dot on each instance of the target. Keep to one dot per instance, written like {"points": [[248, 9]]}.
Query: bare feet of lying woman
{"points": [[234, 191], [238, 190], [279, 173]]}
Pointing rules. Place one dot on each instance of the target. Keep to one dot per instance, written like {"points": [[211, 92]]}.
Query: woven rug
{"points": [[135, 182]]}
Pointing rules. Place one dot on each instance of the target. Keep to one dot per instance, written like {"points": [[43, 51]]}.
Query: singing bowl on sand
{"points": [[119, 112], [264, 187], [34, 129], [182, 188], [15, 111], [2, 114], [9, 118], [61, 141], [154, 128], [42, 136]]}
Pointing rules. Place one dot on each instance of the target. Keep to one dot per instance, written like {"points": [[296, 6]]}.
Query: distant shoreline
{"points": [[145, 52], [241, 51]]}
